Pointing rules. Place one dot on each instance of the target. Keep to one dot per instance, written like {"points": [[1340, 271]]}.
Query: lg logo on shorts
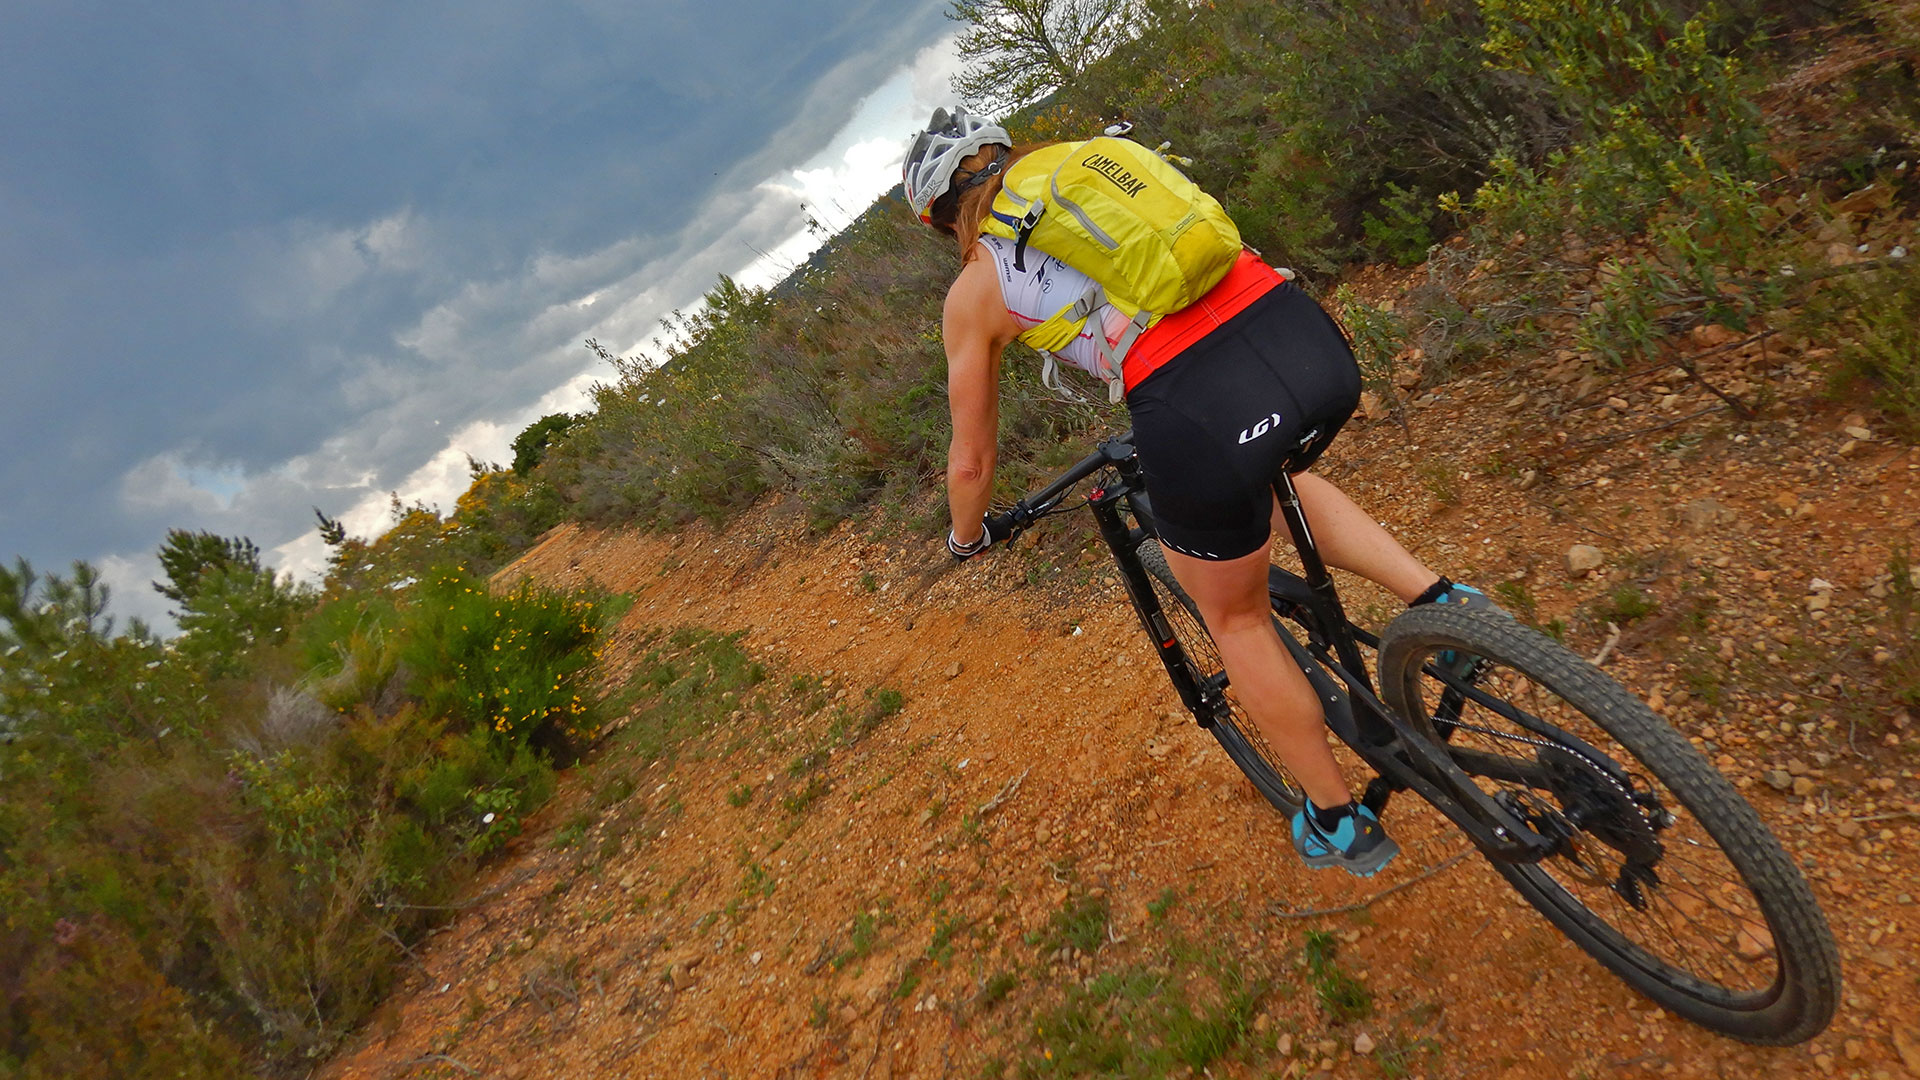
{"points": [[1260, 428]]}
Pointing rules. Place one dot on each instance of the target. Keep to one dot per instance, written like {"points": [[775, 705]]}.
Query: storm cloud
{"points": [[258, 259]]}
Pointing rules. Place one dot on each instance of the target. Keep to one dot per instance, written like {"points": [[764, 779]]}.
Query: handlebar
{"points": [[1009, 524]]}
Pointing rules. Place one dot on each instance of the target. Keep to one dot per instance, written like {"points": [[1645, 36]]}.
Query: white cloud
{"points": [[500, 352], [129, 584], [163, 484], [300, 271]]}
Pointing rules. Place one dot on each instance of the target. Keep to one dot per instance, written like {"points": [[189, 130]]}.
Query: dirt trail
{"points": [[1029, 672]]}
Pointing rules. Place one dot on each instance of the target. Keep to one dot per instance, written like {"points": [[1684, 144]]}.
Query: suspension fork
{"points": [[1202, 702]]}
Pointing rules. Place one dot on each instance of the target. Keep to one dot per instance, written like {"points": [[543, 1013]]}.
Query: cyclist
{"points": [[1252, 380]]}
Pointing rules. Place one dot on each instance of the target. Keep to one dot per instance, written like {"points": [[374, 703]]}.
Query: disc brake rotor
{"points": [[1604, 809], [1595, 808]]}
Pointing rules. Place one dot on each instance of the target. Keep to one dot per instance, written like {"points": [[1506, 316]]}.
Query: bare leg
{"points": [[1350, 539], [1232, 597]]}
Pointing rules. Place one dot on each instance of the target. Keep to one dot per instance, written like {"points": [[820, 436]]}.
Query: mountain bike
{"points": [[1595, 809]]}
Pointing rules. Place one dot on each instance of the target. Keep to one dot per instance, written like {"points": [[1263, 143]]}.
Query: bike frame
{"points": [[1403, 757]]}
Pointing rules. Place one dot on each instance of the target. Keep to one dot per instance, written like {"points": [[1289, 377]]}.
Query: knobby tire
{"points": [[1725, 931]]}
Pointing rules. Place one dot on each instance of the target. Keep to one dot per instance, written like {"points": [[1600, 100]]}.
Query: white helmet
{"points": [[937, 152]]}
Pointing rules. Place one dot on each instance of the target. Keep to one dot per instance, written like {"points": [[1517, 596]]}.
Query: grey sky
{"points": [[255, 259]]}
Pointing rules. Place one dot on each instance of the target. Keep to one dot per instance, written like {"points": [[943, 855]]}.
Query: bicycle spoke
{"points": [[1506, 714]]}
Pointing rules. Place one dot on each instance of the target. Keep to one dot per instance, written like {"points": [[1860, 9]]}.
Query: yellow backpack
{"points": [[1151, 240]]}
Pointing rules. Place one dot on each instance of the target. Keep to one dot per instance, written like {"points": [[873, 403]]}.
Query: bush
{"points": [[516, 663], [1875, 320], [236, 864]]}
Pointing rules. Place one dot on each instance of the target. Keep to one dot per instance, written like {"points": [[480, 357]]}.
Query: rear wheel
{"points": [[1231, 725], [1661, 871]]}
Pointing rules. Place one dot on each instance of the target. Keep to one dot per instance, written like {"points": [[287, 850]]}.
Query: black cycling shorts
{"points": [[1262, 394]]}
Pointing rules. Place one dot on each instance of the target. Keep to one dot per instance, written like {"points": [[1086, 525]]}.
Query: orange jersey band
{"points": [[1249, 280]]}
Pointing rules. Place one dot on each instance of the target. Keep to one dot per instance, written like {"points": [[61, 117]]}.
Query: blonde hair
{"points": [[963, 215]]}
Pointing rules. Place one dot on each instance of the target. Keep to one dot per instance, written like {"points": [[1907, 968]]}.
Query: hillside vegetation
{"points": [[238, 837]]}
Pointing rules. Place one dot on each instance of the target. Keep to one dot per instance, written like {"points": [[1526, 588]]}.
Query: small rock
{"points": [[1711, 334], [1285, 1046], [1754, 942], [1582, 558], [1804, 786], [1519, 401], [1859, 433], [1363, 1044], [1702, 515], [1778, 779], [1850, 829], [954, 669], [1819, 601], [1907, 1042], [1855, 1049], [1041, 834], [1529, 479]]}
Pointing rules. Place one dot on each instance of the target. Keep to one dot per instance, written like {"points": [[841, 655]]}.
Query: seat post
{"points": [[1333, 618]]}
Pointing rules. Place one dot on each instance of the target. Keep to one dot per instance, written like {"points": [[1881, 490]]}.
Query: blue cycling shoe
{"points": [[1454, 594], [1356, 842]]}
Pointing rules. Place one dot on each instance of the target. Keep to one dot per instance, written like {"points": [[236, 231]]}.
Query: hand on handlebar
{"points": [[995, 529]]}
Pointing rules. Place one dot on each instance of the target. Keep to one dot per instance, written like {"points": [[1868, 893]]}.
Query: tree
{"points": [[1019, 51], [188, 557], [228, 600], [43, 613], [530, 446], [332, 532]]}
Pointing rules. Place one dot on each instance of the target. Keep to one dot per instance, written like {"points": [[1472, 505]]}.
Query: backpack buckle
{"points": [[1028, 222]]}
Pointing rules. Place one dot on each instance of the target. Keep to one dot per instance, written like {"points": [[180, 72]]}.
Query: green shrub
{"points": [[1875, 319], [516, 663], [1344, 997]]}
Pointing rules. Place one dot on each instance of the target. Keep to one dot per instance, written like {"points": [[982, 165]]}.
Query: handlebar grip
{"points": [[1002, 527]]}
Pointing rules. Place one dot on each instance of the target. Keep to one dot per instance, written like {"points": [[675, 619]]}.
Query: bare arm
{"points": [[976, 328]]}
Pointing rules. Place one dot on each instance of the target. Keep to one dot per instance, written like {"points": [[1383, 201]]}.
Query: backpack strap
{"points": [[1066, 324], [1113, 354], [1024, 231]]}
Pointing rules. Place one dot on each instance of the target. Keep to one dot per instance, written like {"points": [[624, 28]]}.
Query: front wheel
{"points": [[1230, 725], [1661, 871]]}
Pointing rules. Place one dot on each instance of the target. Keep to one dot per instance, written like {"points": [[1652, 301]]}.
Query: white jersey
{"points": [[1033, 295]]}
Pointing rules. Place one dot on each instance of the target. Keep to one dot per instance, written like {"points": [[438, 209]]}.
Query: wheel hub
{"points": [[1599, 806]]}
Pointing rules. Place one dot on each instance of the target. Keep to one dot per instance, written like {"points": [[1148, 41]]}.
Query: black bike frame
{"points": [[1403, 757]]}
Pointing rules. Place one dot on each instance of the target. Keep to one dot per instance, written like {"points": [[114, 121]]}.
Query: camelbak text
{"points": [[1116, 172]]}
